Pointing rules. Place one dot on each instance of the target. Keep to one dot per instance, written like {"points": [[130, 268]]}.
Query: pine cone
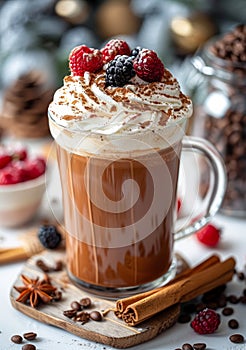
{"points": [[25, 104]]}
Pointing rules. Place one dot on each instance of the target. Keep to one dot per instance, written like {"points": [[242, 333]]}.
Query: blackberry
{"points": [[136, 51], [119, 71], [49, 236]]}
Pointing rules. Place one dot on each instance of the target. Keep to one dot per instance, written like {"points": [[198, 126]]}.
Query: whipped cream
{"points": [[85, 104], [86, 117]]}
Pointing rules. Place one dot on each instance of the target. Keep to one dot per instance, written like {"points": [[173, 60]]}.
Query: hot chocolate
{"points": [[118, 122], [95, 257]]}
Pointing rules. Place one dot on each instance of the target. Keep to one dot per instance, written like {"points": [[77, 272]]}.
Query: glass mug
{"points": [[119, 202]]}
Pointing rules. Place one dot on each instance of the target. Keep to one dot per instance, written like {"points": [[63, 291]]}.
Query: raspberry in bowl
{"points": [[22, 185]]}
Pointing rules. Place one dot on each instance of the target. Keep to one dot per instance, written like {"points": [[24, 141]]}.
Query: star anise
{"points": [[35, 291]]}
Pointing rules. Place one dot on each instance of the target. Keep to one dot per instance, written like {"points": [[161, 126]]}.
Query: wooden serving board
{"points": [[111, 330]]}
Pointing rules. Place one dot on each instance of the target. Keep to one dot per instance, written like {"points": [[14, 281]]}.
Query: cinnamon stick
{"points": [[183, 289], [122, 304], [12, 255]]}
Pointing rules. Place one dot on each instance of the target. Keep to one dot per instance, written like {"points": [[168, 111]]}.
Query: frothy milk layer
{"points": [[85, 105]]}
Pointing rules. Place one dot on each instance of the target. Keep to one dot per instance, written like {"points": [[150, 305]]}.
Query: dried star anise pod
{"points": [[35, 290]]}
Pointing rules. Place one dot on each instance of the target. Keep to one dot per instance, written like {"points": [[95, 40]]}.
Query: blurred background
{"points": [[36, 37], [46, 30]]}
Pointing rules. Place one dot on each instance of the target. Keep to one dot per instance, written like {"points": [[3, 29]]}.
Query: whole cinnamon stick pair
{"points": [[191, 283]]}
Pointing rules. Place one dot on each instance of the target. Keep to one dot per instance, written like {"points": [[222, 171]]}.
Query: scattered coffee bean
{"points": [[212, 305], [42, 265], [184, 318], [82, 317], [85, 302], [243, 299], [200, 307], [28, 347], [96, 316], [58, 265], [199, 346], [75, 305], [233, 299], [227, 311], [187, 346], [237, 338], [233, 324], [57, 295], [222, 302], [30, 335], [69, 313], [240, 276], [17, 339]]}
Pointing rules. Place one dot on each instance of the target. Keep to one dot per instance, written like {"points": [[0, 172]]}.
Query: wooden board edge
{"points": [[159, 323]]}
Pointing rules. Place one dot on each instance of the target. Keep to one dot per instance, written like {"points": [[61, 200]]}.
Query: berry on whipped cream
{"points": [[116, 90]]}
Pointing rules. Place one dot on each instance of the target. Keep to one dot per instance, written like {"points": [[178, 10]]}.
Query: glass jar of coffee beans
{"points": [[216, 83]]}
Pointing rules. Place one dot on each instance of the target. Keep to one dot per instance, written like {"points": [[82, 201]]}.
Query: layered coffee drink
{"points": [[118, 128], [117, 261]]}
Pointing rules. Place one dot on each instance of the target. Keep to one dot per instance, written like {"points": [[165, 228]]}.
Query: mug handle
{"points": [[216, 189]]}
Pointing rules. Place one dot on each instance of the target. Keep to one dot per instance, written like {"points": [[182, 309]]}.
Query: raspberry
{"points": [[119, 71], [206, 322], [35, 167], [20, 168], [148, 66], [10, 176], [83, 58], [49, 236], [5, 159], [20, 153], [113, 48], [209, 235]]}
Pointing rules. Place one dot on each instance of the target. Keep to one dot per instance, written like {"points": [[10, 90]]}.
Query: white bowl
{"points": [[20, 202]]}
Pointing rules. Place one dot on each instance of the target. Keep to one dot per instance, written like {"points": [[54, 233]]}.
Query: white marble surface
{"points": [[233, 243]]}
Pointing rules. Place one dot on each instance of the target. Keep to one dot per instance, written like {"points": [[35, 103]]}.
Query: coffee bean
{"points": [[17, 339], [58, 265], [243, 299], [222, 302], [28, 347], [236, 338], [200, 307], [96, 316], [82, 317], [85, 302], [30, 335], [184, 318], [227, 311], [187, 346], [240, 276], [75, 305], [199, 346], [212, 305], [42, 265], [69, 313], [233, 299], [233, 324], [57, 295]]}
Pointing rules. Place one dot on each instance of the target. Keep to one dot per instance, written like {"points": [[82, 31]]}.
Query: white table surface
{"points": [[233, 243]]}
